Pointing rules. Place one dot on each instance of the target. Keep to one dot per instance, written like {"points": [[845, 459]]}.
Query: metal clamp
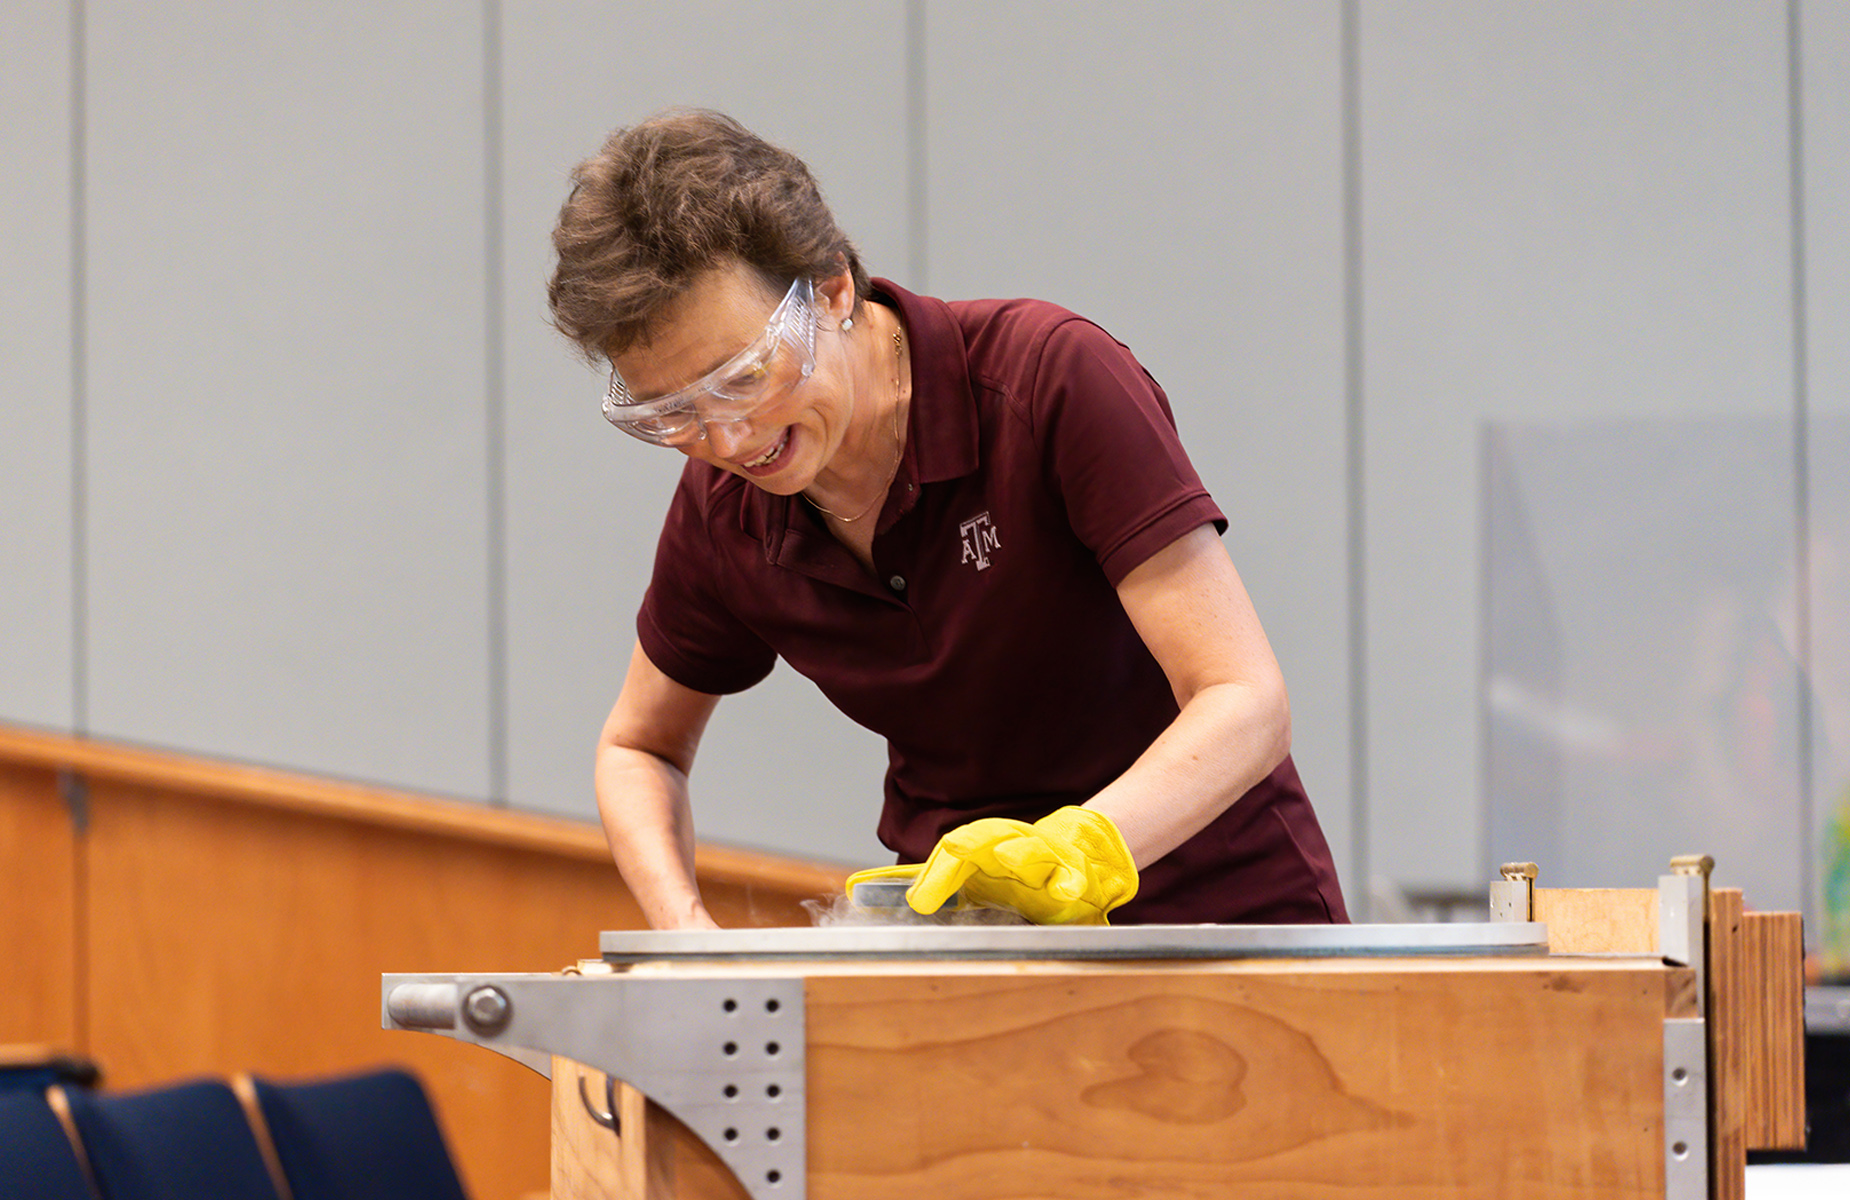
{"points": [[1512, 898], [1686, 1109], [725, 1056], [1682, 920]]}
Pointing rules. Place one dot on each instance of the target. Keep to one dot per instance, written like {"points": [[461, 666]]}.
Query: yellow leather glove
{"points": [[1071, 867]]}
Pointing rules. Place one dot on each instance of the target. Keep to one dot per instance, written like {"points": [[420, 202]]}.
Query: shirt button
{"points": [[897, 583]]}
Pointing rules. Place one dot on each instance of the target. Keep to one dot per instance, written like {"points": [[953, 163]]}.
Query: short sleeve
{"points": [[1110, 446], [686, 628]]}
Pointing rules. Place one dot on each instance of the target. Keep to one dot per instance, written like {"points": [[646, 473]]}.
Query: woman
{"points": [[971, 524]]}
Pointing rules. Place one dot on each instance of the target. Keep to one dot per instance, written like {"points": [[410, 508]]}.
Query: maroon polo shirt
{"points": [[989, 647]]}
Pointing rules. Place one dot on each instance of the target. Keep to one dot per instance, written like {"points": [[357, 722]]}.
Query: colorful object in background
{"points": [[1834, 949]]}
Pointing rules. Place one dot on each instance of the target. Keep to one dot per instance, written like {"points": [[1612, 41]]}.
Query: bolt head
{"points": [[487, 1010]]}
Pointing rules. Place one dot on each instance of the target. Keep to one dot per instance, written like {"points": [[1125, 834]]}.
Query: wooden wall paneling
{"points": [[221, 918], [38, 928], [229, 938]]}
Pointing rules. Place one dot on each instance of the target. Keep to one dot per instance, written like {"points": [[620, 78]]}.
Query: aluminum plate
{"points": [[1084, 942]]}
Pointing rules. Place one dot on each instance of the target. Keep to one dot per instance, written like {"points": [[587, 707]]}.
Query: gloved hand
{"points": [[1071, 867]]}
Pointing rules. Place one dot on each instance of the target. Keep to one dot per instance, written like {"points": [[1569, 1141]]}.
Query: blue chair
{"points": [[186, 1141], [35, 1068], [372, 1136], [37, 1160]]}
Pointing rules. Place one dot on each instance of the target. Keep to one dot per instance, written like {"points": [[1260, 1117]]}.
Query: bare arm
{"points": [[643, 759], [1192, 611]]}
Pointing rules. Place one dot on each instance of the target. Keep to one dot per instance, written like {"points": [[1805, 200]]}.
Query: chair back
{"points": [[372, 1136], [180, 1142], [37, 1160]]}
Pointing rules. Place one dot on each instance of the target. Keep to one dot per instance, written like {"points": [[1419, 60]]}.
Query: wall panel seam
{"points": [[1801, 458], [1354, 451], [80, 383], [494, 371]]}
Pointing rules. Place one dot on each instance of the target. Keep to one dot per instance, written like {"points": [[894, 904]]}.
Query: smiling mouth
{"points": [[770, 455]]}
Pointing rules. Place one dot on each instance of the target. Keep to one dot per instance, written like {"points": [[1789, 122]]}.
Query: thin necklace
{"points": [[899, 451]]}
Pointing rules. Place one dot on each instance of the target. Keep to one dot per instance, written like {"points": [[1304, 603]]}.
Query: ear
{"points": [[835, 297]]}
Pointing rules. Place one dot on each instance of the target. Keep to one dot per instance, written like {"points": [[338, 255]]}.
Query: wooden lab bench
{"points": [[1586, 1044]]}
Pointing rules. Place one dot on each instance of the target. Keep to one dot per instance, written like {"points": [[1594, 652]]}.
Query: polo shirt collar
{"points": [[941, 431]]}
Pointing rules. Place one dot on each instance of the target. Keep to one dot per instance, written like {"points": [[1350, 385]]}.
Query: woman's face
{"points": [[793, 436]]}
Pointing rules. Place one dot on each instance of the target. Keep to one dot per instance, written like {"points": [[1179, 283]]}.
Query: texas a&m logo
{"points": [[979, 538]]}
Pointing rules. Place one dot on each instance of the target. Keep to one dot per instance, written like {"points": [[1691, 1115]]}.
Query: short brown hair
{"points": [[669, 198]]}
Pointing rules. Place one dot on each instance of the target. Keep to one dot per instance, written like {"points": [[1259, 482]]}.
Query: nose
{"points": [[728, 437]]}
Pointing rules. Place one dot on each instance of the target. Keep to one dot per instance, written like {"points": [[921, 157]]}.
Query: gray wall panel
{"points": [[1570, 210], [287, 418], [779, 767], [300, 528], [1180, 182], [35, 364], [1825, 75]]}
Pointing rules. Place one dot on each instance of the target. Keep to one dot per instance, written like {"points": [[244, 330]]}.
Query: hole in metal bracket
{"points": [[1680, 1149]]}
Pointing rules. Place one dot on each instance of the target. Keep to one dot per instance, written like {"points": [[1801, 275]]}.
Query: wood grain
{"points": [[1773, 949], [1729, 1018], [217, 919], [590, 1162], [1599, 920], [724, 866], [650, 1155], [1400, 1082], [39, 873]]}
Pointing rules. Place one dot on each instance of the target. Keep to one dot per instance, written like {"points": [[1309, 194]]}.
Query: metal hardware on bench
{"points": [[1074, 941], [1686, 1109], [1512, 897], [727, 1057], [486, 1010], [1682, 914]]}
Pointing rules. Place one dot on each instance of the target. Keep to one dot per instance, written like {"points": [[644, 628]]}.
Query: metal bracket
{"points": [[1512, 898], [1686, 1109], [725, 1056], [1682, 921]]}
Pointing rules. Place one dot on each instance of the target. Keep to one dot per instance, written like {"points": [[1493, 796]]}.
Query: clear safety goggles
{"points": [[778, 360]]}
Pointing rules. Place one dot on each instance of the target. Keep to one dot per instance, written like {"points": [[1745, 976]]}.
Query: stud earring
{"points": [[847, 323]]}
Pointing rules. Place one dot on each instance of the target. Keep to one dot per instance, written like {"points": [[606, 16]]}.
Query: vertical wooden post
{"points": [[648, 1156], [1773, 948]]}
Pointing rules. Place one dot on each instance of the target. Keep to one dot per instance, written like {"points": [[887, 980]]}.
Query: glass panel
{"points": [[1641, 690], [1828, 564]]}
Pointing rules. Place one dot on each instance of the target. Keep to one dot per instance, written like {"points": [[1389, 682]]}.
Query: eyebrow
{"points": [[698, 376]]}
